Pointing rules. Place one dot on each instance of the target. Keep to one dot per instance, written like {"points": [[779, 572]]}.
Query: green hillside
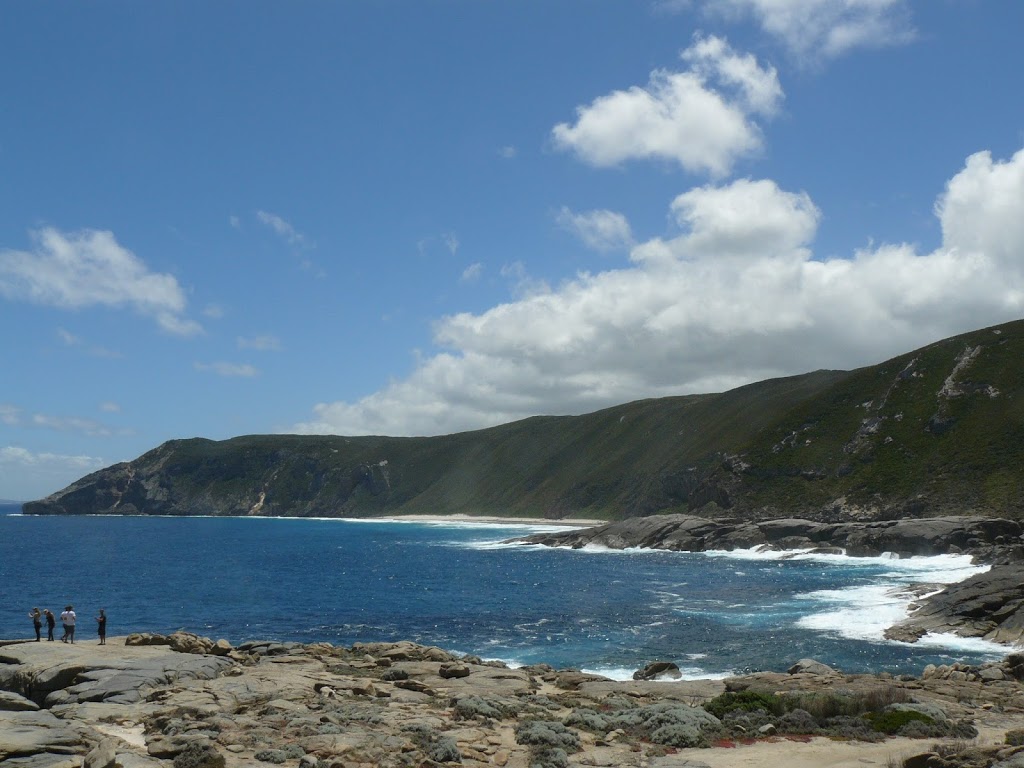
{"points": [[933, 431]]}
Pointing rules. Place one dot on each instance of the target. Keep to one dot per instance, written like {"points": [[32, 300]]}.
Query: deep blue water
{"points": [[456, 587]]}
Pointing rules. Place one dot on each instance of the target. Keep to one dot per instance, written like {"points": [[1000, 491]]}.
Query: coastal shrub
{"points": [[472, 707], [547, 733], [1015, 737], [891, 721], [667, 723], [390, 675], [747, 701], [588, 720], [883, 697], [548, 757], [824, 705], [275, 756], [850, 728], [445, 750], [798, 721], [199, 756], [678, 735], [738, 721]]}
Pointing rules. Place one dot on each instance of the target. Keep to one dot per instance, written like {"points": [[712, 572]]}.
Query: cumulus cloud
{"points": [[734, 295], [225, 369], [700, 118], [39, 474], [600, 230], [90, 268], [825, 28]]}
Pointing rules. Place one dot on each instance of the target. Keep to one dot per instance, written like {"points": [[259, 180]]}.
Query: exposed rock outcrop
{"points": [[989, 605], [395, 705], [992, 538]]}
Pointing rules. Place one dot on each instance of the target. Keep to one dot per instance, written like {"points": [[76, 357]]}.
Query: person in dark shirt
{"points": [[37, 622], [101, 626], [51, 620]]}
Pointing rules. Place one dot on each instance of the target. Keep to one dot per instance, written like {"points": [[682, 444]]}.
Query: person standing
{"points": [[68, 618], [101, 626], [51, 620], [37, 622]]}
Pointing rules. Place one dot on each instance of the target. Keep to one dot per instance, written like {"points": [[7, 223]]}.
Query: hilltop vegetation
{"points": [[936, 431]]}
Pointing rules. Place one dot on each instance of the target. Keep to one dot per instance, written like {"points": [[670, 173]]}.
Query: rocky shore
{"points": [[185, 701], [988, 606]]}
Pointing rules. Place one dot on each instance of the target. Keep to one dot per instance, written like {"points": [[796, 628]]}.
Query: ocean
{"points": [[459, 587]]}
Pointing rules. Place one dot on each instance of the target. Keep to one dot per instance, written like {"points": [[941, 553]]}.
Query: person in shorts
{"points": [[68, 619]]}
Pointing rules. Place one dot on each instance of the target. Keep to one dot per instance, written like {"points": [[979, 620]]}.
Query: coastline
{"points": [[142, 701], [483, 519]]}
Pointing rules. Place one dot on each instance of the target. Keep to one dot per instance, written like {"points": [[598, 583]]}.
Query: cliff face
{"points": [[936, 431]]}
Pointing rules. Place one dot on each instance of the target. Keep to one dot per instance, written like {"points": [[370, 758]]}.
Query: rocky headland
{"points": [[185, 701]]}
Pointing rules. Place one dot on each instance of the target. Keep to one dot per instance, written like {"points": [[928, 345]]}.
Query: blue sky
{"points": [[416, 218]]}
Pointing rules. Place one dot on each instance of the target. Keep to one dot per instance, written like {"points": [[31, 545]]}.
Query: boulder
{"points": [[14, 702], [451, 671], [811, 667], [102, 755], [658, 670]]}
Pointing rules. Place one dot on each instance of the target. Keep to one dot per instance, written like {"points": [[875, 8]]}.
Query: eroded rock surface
{"points": [[399, 705]]}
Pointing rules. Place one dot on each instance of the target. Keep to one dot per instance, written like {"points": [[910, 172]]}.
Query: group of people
{"points": [[68, 620]]}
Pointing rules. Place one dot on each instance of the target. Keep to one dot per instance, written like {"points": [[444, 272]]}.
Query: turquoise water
{"points": [[458, 587]]}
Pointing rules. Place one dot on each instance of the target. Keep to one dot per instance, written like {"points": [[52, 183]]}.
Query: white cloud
{"points": [[71, 424], [451, 242], [221, 368], [472, 272], [600, 230], [34, 475], [520, 281], [10, 415], [825, 28], [213, 311], [699, 118], [262, 343], [235, 222], [110, 407], [735, 295], [283, 228], [508, 152], [90, 268], [68, 338]]}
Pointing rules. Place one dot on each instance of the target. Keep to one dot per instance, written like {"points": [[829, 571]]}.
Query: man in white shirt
{"points": [[67, 618]]}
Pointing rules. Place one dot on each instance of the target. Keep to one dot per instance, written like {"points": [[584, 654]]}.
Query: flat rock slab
{"points": [[23, 734], [53, 674]]}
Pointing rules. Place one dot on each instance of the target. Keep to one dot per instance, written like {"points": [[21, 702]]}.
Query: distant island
{"points": [[936, 431]]}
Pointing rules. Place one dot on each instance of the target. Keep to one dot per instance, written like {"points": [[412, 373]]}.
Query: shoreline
{"points": [[484, 519], [146, 699]]}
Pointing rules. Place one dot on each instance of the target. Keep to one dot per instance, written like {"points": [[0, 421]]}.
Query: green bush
{"points": [[746, 701], [891, 721]]}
